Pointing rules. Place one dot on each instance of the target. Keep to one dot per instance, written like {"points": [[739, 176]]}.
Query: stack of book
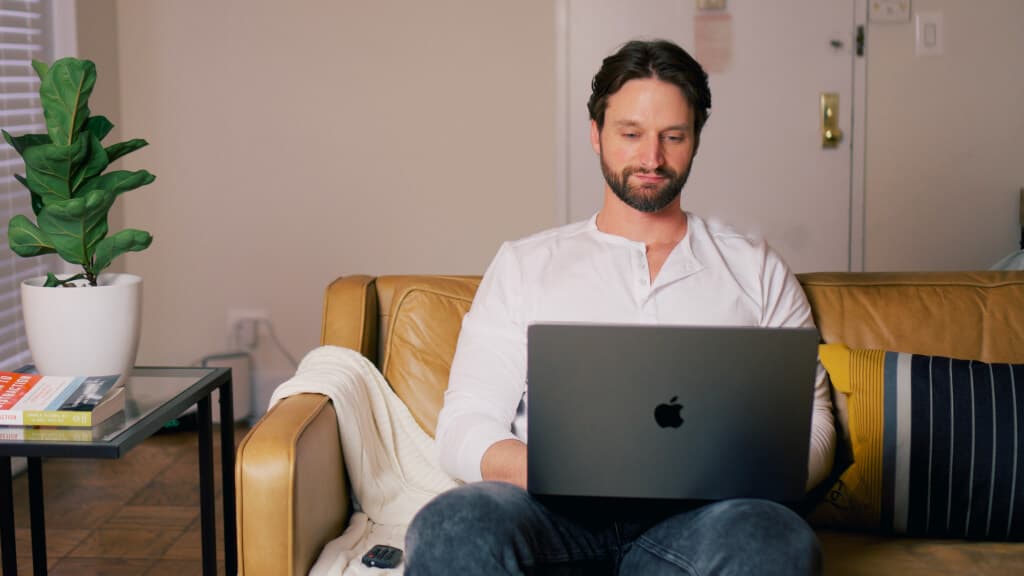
{"points": [[31, 400]]}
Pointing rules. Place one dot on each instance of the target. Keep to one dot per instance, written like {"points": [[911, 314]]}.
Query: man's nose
{"points": [[651, 153]]}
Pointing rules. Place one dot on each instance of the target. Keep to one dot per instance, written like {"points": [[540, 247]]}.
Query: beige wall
{"points": [[296, 143], [97, 41], [945, 156], [344, 137]]}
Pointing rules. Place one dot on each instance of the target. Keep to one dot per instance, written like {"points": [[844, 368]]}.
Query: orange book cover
{"points": [[14, 386]]}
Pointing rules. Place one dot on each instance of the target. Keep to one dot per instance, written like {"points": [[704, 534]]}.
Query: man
{"points": [[640, 259]]}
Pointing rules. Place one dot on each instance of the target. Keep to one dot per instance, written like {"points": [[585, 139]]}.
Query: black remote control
{"points": [[381, 556]]}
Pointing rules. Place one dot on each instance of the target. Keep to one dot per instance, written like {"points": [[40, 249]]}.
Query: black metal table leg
{"points": [[227, 459], [207, 511], [35, 503], [7, 547]]}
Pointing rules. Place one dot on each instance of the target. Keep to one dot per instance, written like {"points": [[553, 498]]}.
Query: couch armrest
{"points": [[291, 487]]}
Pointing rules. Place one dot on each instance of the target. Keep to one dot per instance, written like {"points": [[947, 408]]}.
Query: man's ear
{"points": [[595, 137]]}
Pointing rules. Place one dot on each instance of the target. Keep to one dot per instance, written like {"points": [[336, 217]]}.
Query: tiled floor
{"points": [[135, 516]]}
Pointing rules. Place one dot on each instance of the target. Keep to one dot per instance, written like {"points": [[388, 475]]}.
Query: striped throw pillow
{"points": [[938, 444]]}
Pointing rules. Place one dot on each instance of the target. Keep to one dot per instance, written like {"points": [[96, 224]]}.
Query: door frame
{"points": [[857, 138]]}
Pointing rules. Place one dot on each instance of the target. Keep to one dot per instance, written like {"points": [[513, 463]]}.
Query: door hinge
{"points": [[860, 40]]}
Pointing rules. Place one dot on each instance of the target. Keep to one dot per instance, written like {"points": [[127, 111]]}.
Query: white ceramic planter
{"points": [[83, 331]]}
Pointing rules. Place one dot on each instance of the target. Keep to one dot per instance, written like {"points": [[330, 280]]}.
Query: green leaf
{"points": [[117, 182], [98, 126], [49, 168], [26, 141], [129, 240], [64, 93], [37, 203], [37, 200], [23, 181], [75, 226], [95, 163], [115, 151], [26, 239], [53, 282], [41, 68]]}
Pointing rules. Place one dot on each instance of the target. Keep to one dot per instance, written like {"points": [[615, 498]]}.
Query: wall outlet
{"points": [[244, 327], [704, 5], [889, 11]]}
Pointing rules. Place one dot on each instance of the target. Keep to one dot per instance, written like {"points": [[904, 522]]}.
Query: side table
{"points": [[155, 397]]}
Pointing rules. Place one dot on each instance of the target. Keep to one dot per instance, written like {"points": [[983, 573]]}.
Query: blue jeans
{"points": [[498, 528]]}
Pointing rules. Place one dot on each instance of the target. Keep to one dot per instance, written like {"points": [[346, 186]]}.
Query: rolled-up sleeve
{"points": [[488, 373]]}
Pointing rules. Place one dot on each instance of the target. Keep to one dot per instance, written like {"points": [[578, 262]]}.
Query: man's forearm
{"points": [[505, 461]]}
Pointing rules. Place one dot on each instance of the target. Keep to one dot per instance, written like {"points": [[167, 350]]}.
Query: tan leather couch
{"points": [[291, 485]]}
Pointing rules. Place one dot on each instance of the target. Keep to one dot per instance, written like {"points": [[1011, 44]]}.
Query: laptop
{"points": [[668, 413]]}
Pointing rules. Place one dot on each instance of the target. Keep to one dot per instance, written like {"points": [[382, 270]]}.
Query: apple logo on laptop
{"points": [[669, 415]]}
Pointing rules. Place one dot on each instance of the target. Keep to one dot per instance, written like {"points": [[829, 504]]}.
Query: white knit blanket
{"points": [[392, 464]]}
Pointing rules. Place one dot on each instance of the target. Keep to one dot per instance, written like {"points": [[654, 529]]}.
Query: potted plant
{"points": [[86, 323]]}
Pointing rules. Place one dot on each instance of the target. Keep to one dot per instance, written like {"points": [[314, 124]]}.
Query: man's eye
{"points": [[675, 139], [630, 135]]}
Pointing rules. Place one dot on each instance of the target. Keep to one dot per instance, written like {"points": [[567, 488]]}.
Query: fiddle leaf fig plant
{"points": [[64, 173]]}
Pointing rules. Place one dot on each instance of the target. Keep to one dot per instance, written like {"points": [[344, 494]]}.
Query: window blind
{"points": [[25, 34]]}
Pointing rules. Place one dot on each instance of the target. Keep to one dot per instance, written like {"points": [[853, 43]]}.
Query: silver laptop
{"points": [[669, 412]]}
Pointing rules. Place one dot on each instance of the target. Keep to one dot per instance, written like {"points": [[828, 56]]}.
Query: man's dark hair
{"points": [[659, 59]]}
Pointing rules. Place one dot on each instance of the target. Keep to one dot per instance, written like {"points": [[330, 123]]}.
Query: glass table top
{"points": [[155, 395]]}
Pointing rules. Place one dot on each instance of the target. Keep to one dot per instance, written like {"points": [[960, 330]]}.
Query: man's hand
{"points": [[505, 461]]}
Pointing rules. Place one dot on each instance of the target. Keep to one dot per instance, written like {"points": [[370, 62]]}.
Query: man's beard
{"points": [[648, 198]]}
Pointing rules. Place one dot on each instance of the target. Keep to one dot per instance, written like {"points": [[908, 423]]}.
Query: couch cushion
{"points": [[861, 554], [426, 317], [935, 445]]}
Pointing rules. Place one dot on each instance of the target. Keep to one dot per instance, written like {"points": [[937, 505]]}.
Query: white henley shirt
{"points": [[714, 276]]}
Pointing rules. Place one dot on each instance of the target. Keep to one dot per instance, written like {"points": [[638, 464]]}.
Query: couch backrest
{"points": [[409, 325], [970, 315]]}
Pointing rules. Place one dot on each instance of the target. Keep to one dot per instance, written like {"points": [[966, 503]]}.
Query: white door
{"points": [[761, 166]]}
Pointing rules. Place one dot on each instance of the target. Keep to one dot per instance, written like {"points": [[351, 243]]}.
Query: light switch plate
{"points": [[889, 11], [928, 35]]}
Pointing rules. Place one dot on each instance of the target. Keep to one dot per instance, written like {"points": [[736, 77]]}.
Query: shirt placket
{"points": [[642, 294]]}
